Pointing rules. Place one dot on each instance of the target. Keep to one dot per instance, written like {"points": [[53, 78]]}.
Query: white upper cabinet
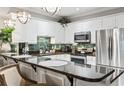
{"points": [[69, 32], [29, 32], [86, 26], [95, 25], [45, 28], [31, 29], [120, 21], [108, 22], [59, 33], [25, 32], [82, 26], [19, 35], [51, 29]]}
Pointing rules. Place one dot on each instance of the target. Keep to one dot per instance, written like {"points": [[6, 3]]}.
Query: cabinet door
{"points": [[120, 21], [69, 33], [51, 56], [67, 57], [108, 22], [51, 29], [25, 32], [87, 26], [45, 28], [90, 25], [91, 60], [95, 25], [59, 33], [19, 35], [31, 30]]}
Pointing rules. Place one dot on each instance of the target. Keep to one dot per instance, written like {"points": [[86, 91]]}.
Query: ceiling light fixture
{"points": [[77, 9], [51, 10], [9, 23], [23, 17]]}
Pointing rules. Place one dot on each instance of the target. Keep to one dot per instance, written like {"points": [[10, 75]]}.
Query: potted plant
{"points": [[6, 38]]}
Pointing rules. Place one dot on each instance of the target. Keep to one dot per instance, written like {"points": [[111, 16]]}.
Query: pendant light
{"points": [[23, 17], [51, 10], [9, 23]]}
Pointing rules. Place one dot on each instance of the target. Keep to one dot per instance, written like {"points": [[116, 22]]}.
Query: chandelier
{"points": [[23, 17], [9, 22], [51, 10]]}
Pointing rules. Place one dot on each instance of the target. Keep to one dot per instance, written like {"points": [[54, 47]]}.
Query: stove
{"points": [[79, 58]]}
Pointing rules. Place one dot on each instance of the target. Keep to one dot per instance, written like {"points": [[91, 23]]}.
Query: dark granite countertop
{"points": [[47, 54], [58, 53], [80, 71]]}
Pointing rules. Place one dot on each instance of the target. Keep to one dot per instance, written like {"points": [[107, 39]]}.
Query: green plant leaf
{"points": [[5, 34]]}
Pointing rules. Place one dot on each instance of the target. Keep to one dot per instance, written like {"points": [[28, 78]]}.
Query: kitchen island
{"points": [[87, 73]]}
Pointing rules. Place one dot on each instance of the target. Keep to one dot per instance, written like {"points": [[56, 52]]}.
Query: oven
{"points": [[79, 59]]}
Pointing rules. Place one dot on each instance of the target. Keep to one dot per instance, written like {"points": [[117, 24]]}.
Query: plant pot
{"points": [[5, 47]]}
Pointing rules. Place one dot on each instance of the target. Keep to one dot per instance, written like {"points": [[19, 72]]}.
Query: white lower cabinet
{"points": [[91, 60], [53, 78], [51, 57], [65, 57]]}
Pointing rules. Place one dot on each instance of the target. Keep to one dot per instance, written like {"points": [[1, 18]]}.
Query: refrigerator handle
{"points": [[109, 48]]}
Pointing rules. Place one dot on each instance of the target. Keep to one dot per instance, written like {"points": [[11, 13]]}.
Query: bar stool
{"points": [[10, 75]]}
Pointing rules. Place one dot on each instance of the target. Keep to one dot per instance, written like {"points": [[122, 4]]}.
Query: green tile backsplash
{"points": [[86, 45], [33, 47]]}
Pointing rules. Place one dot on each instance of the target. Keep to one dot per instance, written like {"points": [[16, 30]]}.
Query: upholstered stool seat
{"points": [[10, 75]]}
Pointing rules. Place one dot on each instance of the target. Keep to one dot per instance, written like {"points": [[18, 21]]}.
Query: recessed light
{"points": [[77, 9]]}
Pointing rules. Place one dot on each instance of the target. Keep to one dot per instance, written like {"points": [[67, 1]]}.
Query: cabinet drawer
{"points": [[91, 58]]}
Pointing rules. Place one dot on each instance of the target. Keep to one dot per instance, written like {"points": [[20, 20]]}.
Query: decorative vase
{"points": [[5, 47]]}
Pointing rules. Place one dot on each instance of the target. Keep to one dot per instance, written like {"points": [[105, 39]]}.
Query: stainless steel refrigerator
{"points": [[110, 47]]}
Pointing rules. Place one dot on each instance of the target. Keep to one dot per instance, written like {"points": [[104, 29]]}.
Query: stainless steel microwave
{"points": [[82, 37]]}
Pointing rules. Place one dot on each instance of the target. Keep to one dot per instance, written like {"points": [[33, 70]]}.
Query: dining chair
{"points": [[3, 62], [10, 75], [28, 71]]}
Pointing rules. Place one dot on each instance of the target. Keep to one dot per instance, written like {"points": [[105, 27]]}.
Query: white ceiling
{"points": [[76, 11], [3, 11], [71, 12]]}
